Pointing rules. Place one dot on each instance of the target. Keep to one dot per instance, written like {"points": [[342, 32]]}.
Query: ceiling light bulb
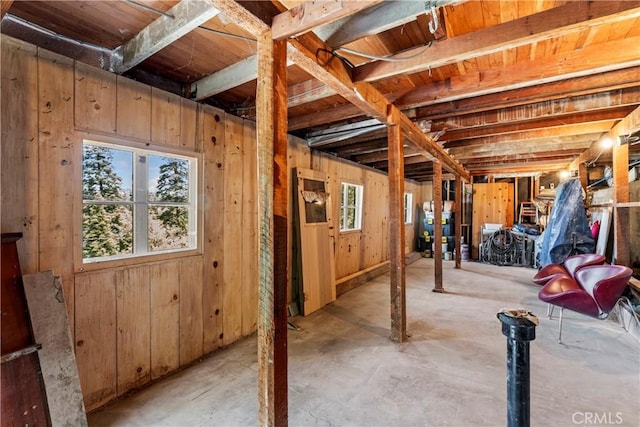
{"points": [[607, 142]]}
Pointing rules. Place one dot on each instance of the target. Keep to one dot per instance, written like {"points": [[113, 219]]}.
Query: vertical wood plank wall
{"points": [[136, 322]]}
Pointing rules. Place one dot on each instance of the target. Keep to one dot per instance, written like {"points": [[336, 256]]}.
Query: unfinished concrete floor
{"points": [[344, 371]]}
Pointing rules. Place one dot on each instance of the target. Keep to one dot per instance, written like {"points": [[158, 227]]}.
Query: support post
{"points": [[271, 101], [437, 228], [396, 230], [621, 218], [519, 326], [458, 220]]}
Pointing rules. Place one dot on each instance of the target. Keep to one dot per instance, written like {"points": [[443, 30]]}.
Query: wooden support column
{"points": [[271, 101], [437, 227], [458, 219], [396, 230], [621, 195], [583, 176]]}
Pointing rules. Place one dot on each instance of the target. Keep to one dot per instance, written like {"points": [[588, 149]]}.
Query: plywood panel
{"points": [[190, 309], [133, 322], [249, 231], [188, 126], [95, 99], [96, 336], [492, 203], [213, 227], [233, 174], [133, 117], [58, 151], [165, 318], [19, 149], [165, 118]]}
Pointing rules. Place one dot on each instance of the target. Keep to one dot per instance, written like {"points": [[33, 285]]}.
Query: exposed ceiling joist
{"points": [[241, 17], [434, 109], [518, 32], [602, 58], [4, 6], [178, 21], [313, 14]]}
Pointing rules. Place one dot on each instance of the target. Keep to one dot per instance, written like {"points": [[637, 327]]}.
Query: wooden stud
{"points": [[397, 230], [621, 218], [437, 221], [458, 220], [272, 213]]}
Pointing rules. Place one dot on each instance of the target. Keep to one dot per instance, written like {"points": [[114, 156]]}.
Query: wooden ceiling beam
{"points": [[581, 130], [313, 14], [464, 155], [177, 22], [240, 16], [304, 52], [433, 108], [338, 113], [555, 108], [384, 155], [5, 5], [593, 59], [542, 123], [518, 32], [564, 156], [506, 170]]}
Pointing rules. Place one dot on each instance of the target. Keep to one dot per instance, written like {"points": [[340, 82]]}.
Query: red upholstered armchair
{"points": [[568, 268], [595, 291]]}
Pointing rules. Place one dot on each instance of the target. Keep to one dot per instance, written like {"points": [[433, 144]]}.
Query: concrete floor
{"points": [[343, 369]]}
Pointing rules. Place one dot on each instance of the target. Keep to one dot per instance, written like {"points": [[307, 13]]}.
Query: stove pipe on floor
{"points": [[519, 326]]}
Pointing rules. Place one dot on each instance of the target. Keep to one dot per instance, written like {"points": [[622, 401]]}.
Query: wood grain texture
{"points": [[95, 336], [58, 153], [437, 219], [133, 118], [213, 226], [95, 99], [164, 282], [133, 327], [233, 197], [249, 230], [166, 118], [190, 310], [19, 148]]}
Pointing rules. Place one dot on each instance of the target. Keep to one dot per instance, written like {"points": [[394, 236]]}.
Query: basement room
{"points": [[295, 212]]}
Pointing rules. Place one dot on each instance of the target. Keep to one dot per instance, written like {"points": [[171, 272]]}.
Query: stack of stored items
{"points": [[447, 224]]}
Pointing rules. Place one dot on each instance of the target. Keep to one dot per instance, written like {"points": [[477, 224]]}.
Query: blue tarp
{"points": [[567, 231]]}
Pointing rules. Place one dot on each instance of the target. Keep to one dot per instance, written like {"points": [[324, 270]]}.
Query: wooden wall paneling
{"points": [[190, 129], [58, 165], [375, 228], [164, 282], [213, 121], [191, 332], [133, 320], [348, 254], [165, 118], [249, 230], [95, 99], [233, 205], [19, 149], [621, 218], [95, 336], [133, 115]]}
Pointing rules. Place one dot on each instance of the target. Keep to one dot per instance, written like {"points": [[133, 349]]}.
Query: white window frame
{"points": [[345, 208], [140, 203], [408, 208]]}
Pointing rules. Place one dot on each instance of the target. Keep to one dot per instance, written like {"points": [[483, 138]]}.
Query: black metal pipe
{"points": [[519, 326]]}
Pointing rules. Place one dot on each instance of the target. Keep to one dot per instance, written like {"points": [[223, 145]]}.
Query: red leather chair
{"points": [[594, 292], [567, 268]]}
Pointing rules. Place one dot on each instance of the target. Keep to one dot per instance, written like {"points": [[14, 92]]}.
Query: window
{"points": [[350, 207], [136, 202], [408, 208]]}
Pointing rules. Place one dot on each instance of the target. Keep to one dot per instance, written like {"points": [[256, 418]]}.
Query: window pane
{"points": [[107, 173], [107, 230], [168, 227], [341, 218], [352, 196], [168, 179]]}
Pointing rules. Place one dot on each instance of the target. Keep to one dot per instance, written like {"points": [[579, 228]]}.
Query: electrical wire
{"points": [[383, 58]]}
